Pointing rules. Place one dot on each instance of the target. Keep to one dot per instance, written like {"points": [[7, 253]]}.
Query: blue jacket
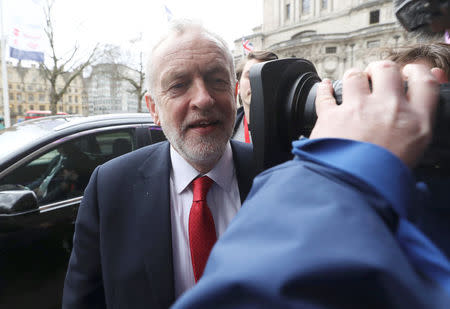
{"points": [[312, 235]]}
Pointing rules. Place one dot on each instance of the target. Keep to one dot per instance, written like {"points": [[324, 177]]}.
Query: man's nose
{"points": [[201, 97]]}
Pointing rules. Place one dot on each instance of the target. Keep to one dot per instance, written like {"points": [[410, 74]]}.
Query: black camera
{"points": [[424, 16], [283, 109]]}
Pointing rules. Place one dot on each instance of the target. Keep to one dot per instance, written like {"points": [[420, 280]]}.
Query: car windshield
{"points": [[23, 134]]}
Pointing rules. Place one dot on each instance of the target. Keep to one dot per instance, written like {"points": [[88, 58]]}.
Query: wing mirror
{"points": [[16, 201]]}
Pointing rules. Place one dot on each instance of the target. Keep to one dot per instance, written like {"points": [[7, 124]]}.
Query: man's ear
{"points": [[152, 108], [440, 75]]}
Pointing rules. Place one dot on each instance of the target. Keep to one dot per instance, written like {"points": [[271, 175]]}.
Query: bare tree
{"points": [[61, 71], [138, 82], [127, 68]]}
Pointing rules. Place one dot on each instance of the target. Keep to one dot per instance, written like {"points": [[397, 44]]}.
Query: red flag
{"points": [[247, 45]]}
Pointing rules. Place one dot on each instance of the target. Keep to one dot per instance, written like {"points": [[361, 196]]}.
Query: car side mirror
{"points": [[16, 201]]}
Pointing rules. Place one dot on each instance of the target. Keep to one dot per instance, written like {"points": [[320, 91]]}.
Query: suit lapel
{"points": [[155, 225], [245, 167], [154, 213]]}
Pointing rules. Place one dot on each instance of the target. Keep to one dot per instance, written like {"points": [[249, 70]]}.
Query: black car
{"points": [[45, 165]]}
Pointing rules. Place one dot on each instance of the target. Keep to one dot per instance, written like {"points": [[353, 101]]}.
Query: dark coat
{"points": [[239, 118], [122, 254]]}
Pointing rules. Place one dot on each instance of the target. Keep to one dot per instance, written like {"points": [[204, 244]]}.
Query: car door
{"points": [[35, 244]]}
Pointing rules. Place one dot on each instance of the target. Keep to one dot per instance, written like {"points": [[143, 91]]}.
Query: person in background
{"points": [[244, 92], [432, 216], [52, 186], [149, 219], [434, 55]]}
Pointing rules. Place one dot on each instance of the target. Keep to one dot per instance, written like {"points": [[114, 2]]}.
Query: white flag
{"points": [[27, 37]]}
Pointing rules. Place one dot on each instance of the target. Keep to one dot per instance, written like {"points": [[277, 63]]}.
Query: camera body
{"points": [[274, 113], [283, 109], [424, 16]]}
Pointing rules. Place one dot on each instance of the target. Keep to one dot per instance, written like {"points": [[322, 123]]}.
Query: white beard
{"points": [[200, 150]]}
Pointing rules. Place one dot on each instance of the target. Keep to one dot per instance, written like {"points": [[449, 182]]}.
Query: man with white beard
{"points": [[149, 219]]}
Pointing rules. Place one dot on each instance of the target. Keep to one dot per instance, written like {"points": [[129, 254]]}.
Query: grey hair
{"points": [[179, 27]]}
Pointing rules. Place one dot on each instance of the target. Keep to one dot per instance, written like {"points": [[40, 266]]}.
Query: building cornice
{"points": [[339, 37], [368, 4], [311, 22]]}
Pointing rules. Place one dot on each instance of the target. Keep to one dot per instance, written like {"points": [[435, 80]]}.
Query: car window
{"points": [[64, 171]]}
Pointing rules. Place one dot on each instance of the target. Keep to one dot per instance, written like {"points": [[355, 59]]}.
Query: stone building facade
{"points": [[107, 92], [102, 92], [334, 34], [29, 90]]}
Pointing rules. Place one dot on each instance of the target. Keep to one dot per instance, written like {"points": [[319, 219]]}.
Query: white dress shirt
{"points": [[223, 200]]}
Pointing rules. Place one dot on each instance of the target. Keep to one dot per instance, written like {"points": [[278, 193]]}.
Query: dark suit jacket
{"points": [[122, 253], [239, 118]]}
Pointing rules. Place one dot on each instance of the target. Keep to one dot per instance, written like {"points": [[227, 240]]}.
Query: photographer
{"points": [[435, 55], [328, 229], [432, 217]]}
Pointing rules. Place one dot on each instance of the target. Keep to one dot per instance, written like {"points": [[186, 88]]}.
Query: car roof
{"points": [[32, 133], [60, 122]]}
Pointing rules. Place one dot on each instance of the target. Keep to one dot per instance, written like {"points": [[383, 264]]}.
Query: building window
{"points": [[305, 6], [70, 109], [76, 99], [20, 109], [373, 44], [330, 50], [374, 17], [76, 109], [18, 97], [60, 108], [30, 88], [287, 12], [30, 97], [324, 4], [70, 99], [41, 97], [42, 107], [31, 107], [11, 96]]}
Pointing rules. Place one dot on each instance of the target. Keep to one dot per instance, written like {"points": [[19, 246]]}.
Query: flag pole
{"points": [[4, 70]]}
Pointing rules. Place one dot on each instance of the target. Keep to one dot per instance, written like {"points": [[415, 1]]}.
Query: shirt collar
{"points": [[183, 173]]}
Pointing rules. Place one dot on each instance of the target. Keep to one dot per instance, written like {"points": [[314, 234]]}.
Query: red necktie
{"points": [[202, 232], [246, 131]]}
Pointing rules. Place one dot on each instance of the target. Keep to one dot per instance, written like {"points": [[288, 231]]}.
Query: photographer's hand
{"points": [[386, 116]]}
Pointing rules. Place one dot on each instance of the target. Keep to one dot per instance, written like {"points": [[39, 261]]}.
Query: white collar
{"points": [[183, 173]]}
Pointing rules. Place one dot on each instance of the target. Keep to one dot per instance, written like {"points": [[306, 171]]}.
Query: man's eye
{"points": [[178, 86], [219, 82]]}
